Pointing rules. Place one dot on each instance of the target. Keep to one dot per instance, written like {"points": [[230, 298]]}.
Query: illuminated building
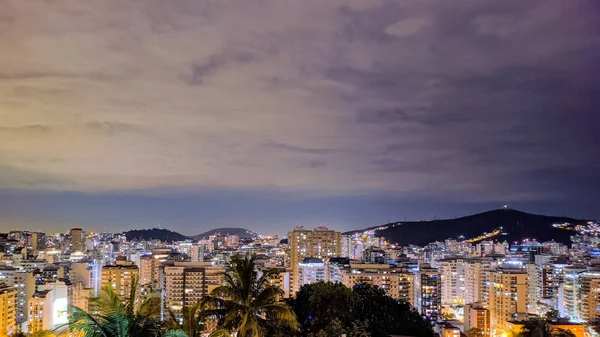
{"points": [[320, 243], [473, 286], [149, 270], [24, 283], [569, 296], [449, 330], [347, 246], [77, 240], [8, 311], [197, 253], [119, 276], [582, 296], [80, 296], [397, 282], [38, 241], [185, 283], [48, 307], [476, 316], [507, 296], [452, 275], [311, 270], [427, 292], [282, 281]]}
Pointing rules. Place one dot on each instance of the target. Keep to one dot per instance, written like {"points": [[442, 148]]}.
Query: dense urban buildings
{"points": [[487, 286]]}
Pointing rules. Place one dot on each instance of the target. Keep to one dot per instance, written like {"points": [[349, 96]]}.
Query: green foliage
{"points": [[192, 324], [541, 328], [474, 332], [552, 315], [563, 333], [246, 303], [318, 304], [364, 310], [117, 317]]}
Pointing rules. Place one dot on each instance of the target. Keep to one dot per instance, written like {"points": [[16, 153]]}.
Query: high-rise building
{"points": [[347, 246], [428, 297], [38, 241], [77, 239], [197, 253], [320, 242], [311, 270], [24, 283], [185, 283], [507, 297], [452, 277], [473, 286], [149, 266], [476, 316], [119, 276], [8, 317], [582, 296]]}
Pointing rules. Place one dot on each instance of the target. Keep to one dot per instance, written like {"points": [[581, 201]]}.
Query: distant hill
{"points": [[241, 232], [155, 234], [518, 225]]}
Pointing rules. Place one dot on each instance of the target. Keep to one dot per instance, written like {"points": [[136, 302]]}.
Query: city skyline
{"points": [[196, 115]]}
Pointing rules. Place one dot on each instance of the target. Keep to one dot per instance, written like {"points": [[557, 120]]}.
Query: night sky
{"points": [[263, 114]]}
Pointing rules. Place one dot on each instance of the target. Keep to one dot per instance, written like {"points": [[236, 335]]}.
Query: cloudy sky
{"points": [[195, 114]]}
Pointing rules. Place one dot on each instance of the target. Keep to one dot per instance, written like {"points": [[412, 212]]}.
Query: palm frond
{"points": [[220, 333], [176, 333], [108, 302]]}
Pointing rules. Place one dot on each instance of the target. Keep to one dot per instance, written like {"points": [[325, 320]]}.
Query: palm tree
{"points": [[247, 303], [192, 323], [117, 317]]}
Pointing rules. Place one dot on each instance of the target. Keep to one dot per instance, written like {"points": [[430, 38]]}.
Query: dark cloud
{"points": [[449, 102]]}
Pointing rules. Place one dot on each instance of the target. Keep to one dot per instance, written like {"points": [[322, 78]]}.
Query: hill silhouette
{"points": [[155, 234], [241, 232], [517, 225]]}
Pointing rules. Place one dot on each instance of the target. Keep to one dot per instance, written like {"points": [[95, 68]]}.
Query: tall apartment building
{"points": [[396, 282], [347, 246], [119, 276], [38, 240], [569, 293], [508, 296], [24, 283], [149, 270], [452, 277], [320, 242], [197, 253], [473, 285], [77, 239], [533, 288], [8, 310], [427, 291], [311, 270], [185, 283], [582, 296], [476, 316]]}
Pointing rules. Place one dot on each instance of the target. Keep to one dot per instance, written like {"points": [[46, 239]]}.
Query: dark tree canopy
{"points": [[362, 310]]}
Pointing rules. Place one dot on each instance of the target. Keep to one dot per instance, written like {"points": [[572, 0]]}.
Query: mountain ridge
{"points": [[517, 224], [161, 234], [243, 233]]}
